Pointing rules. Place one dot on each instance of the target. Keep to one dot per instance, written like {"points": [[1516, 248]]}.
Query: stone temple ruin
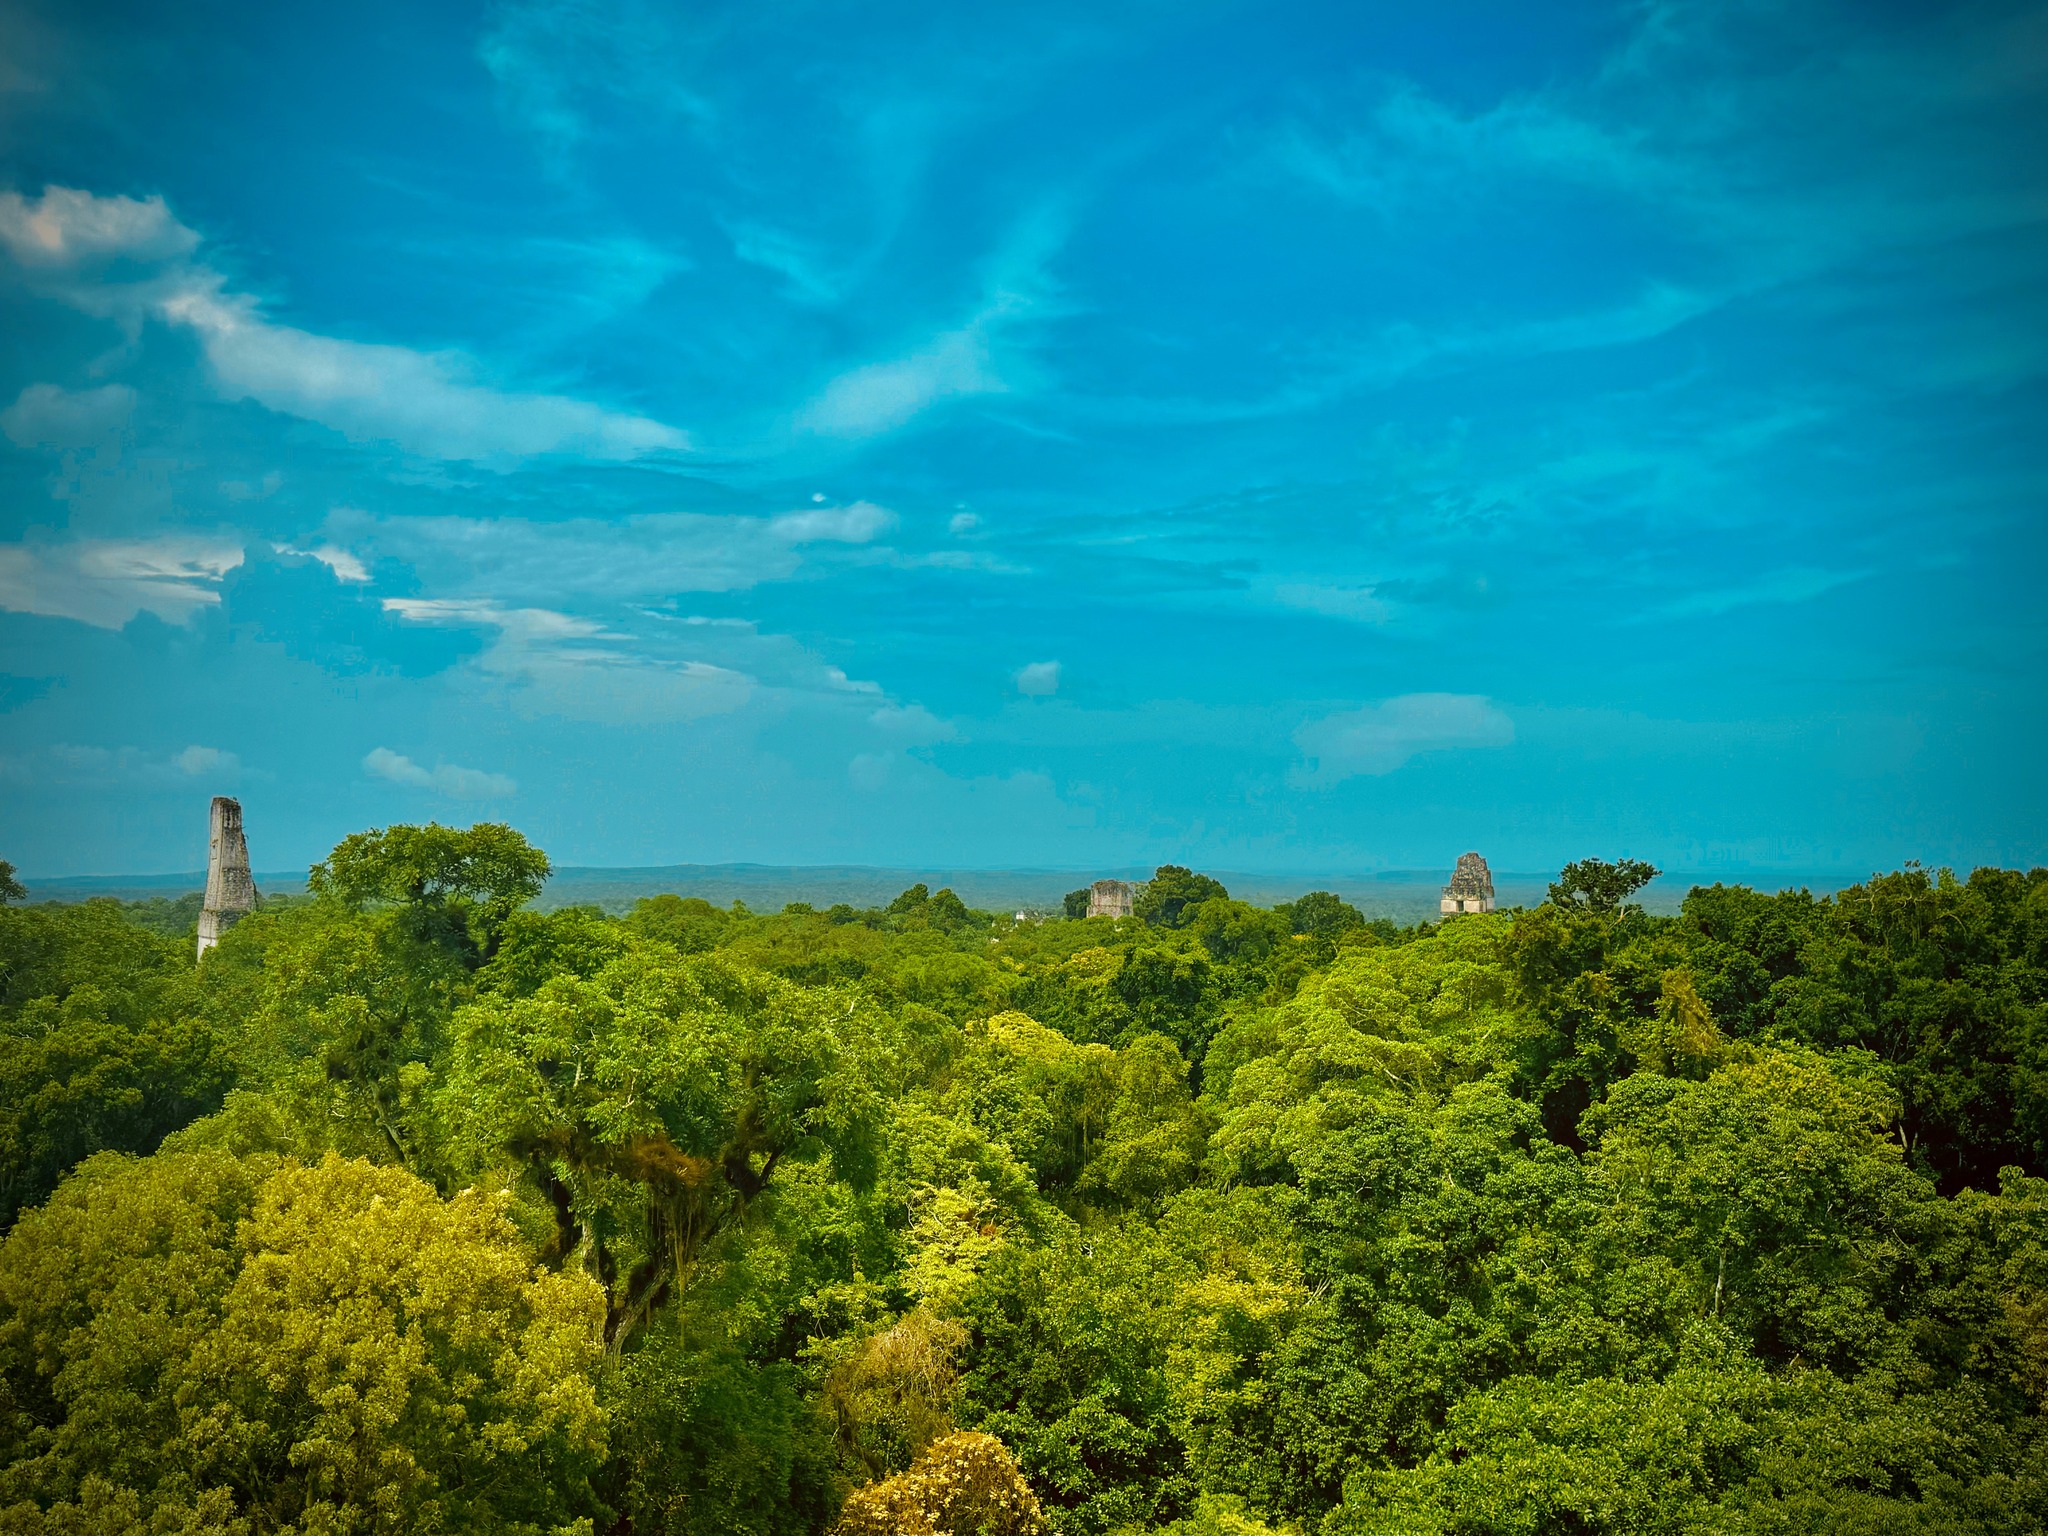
{"points": [[230, 888], [1111, 898], [1471, 887]]}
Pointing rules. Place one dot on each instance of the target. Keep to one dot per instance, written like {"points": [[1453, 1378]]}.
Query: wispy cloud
{"points": [[880, 397], [1763, 175], [1379, 738], [196, 761], [810, 278], [855, 524], [1358, 604], [443, 778], [551, 663], [107, 582], [51, 416], [653, 555], [963, 360], [555, 61], [1791, 584], [67, 763], [429, 403]]}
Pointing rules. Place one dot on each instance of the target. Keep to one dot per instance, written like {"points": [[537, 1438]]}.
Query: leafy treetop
{"points": [[1594, 885], [481, 874], [1169, 897]]}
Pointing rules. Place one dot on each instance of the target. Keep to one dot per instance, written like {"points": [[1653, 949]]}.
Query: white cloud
{"points": [[836, 679], [68, 763], [556, 664], [422, 401], [855, 524], [106, 582], [430, 403], [1379, 738], [1039, 678], [656, 554], [69, 228], [194, 761], [345, 566], [911, 724], [50, 416], [444, 778], [880, 397], [962, 522], [958, 362]]}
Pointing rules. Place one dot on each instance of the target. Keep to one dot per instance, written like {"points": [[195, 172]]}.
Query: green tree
{"points": [[712, 1442], [1235, 932], [1075, 903], [1594, 885], [944, 910], [342, 1023], [1409, 1019], [1166, 898], [1042, 1095], [1068, 1367], [11, 889], [1772, 1198], [81, 1076], [226, 1345], [104, 1043], [1321, 915], [1154, 1134], [688, 923], [459, 885], [653, 1104]]}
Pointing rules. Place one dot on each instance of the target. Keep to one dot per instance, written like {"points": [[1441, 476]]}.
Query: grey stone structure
{"points": [[1111, 898], [230, 888], [1471, 887]]}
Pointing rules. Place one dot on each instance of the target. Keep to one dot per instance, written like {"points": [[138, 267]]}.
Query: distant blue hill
{"points": [[1404, 895]]}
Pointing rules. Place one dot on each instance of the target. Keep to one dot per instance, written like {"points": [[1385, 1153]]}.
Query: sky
{"points": [[1256, 436]]}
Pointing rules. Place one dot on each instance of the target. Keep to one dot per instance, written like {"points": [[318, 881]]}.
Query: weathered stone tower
{"points": [[1111, 898], [1471, 887], [230, 888]]}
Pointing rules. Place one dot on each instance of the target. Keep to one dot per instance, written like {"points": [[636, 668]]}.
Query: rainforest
{"points": [[412, 1207]]}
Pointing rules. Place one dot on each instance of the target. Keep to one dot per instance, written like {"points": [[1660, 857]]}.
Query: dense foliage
{"points": [[411, 1208]]}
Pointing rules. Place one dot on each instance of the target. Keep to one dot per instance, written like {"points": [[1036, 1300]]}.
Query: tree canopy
{"points": [[475, 875], [416, 1208]]}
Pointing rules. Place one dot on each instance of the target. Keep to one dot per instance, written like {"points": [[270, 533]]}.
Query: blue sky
{"points": [[1279, 437]]}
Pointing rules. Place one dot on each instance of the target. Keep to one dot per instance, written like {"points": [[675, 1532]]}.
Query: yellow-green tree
{"points": [[248, 1345], [963, 1485]]}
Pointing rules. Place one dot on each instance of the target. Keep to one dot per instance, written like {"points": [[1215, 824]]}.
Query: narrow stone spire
{"points": [[230, 888]]}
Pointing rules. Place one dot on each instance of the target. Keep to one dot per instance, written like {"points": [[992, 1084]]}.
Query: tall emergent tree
{"points": [[458, 885], [1594, 885]]}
